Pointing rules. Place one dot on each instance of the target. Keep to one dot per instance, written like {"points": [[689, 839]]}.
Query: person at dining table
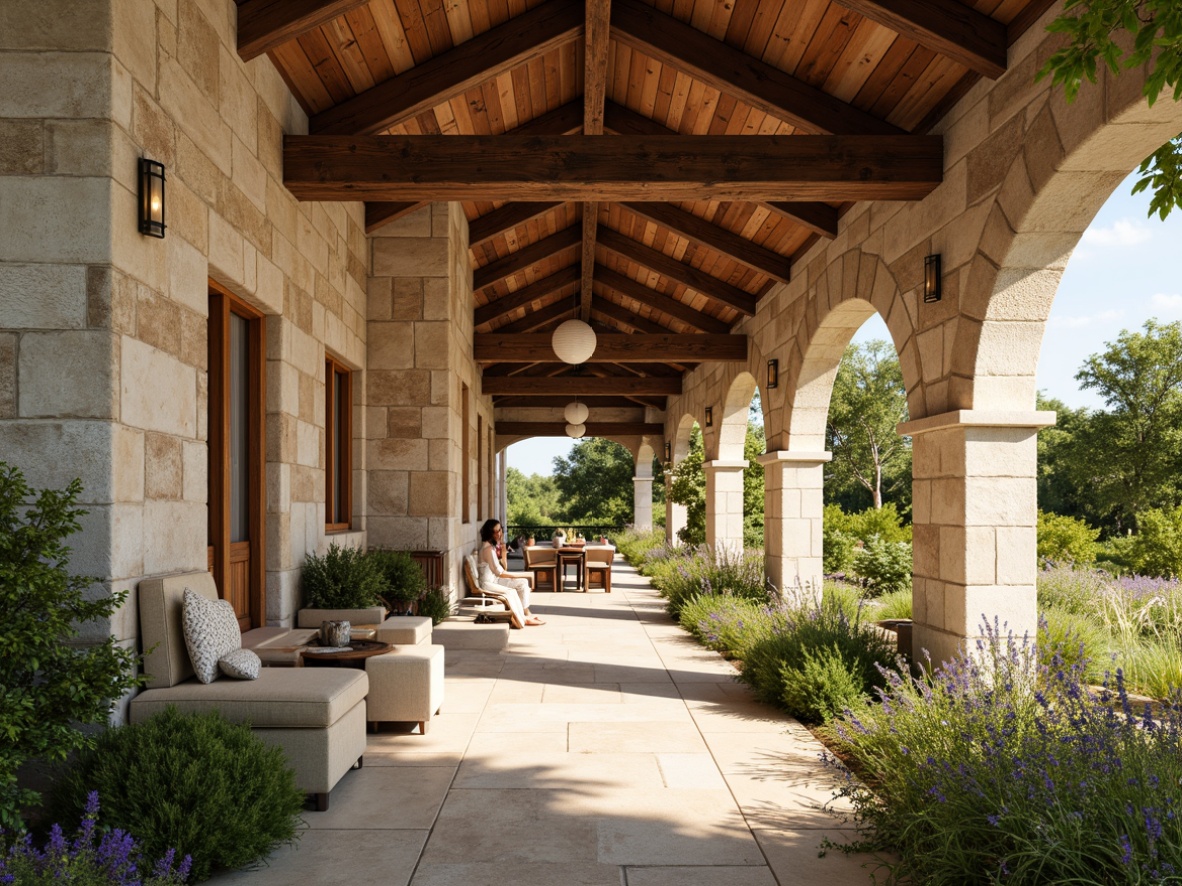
{"points": [[493, 572]]}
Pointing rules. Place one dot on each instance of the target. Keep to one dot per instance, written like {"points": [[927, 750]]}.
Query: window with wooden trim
{"points": [[338, 436]]}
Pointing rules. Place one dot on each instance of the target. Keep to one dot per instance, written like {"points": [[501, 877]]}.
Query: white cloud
{"points": [[1122, 232], [1087, 319], [1167, 303]]}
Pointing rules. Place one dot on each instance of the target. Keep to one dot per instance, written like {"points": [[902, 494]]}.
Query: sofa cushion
{"points": [[211, 630], [240, 664], [166, 660], [279, 698]]}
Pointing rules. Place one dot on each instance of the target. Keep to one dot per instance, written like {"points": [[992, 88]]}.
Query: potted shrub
{"points": [[402, 577], [342, 584]]}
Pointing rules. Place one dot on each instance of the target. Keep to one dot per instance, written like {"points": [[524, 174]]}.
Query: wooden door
{"points": [[236, 461]]}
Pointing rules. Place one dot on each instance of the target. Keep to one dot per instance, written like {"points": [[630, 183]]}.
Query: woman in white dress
{"points": [[493, 572]]}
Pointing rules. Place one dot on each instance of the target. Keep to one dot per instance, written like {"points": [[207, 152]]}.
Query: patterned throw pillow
{"points": [[211, 630], [241, 664]]}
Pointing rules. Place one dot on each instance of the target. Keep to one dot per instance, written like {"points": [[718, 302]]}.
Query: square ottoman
{"points": [[405, 685]]}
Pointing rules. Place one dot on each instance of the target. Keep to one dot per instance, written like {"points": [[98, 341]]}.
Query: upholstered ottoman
{"points": [[405, 685], [405, 630], [463, 633]]}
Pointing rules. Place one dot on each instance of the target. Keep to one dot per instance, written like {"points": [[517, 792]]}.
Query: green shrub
{"points": [[896, 604], [194, 782], [885, 566], [845, 596], [727, 624], [884, 522], [1115, 555], [1156, 549], [344, 578], [403, 578], [633, 544], [1066, 540], [436, 605], [683, 576], [837, 551], [822, 685], [49, 685]]}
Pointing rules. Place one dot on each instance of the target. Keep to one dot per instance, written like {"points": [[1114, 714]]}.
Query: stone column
{"points": [[974, 515], [792, 517], [724, 504], [642, 514]]}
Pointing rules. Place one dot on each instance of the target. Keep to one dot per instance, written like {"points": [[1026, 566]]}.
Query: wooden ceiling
{"points": [[651, 167]]}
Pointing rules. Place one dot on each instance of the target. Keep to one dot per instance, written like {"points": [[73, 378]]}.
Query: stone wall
{"points": [[103, 332]]}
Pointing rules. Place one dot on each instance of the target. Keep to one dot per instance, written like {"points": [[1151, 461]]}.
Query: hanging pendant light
{"points": [[574, 340], [576, 430], [576, 413]]}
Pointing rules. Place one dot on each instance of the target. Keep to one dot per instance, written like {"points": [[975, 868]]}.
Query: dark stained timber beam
{"points": [[593, 402], [594, 429], [670, 268], [618, 315], [646, 168], [266, 24], [952, 29], [666, 304], [526, 294], [451, 73], [704, 233], [734, 72], [495, 347], [379, 214], [537, 319], [501, 221], [587, 261], [526, 257], [568, 386]]}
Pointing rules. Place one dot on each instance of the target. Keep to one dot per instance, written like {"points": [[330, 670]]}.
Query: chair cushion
{"points": [[240, 664], [405, 630], [279, 698], [211, 630], [161, 600]]}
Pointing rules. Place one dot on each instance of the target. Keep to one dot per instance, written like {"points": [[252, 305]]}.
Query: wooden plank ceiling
{"points": [[659, 221]]}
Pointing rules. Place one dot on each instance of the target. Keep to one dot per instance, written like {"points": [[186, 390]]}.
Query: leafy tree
{"points": [[1128, 455], [50, 684], [1062, 486], [533, 500], [1092, 28], [1157, 549], [595, 483], [870, 460]]}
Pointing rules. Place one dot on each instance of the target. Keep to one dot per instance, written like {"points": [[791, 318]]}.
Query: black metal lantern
{"points": [[709, 416], [773, 373], [151, 198], [931, 278]]}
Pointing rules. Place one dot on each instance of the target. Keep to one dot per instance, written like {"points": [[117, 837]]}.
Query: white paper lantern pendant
{"points": [[576, 413], [573, 342], [576, 431]]}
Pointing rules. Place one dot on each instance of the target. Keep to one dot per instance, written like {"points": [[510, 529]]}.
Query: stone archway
{"points": [[724, 474], [679, 445]]}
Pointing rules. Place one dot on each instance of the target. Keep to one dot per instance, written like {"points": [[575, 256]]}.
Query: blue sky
{"points": [[1126, 269]]}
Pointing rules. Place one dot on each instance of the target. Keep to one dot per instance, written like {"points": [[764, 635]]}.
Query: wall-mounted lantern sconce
{"points": [[668, 452], [151, 198], [709, 416], [773, 373], [931, 278]]}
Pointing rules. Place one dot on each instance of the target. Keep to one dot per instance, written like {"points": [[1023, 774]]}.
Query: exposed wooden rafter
{"points": [[449, 74], [516, 262], [704, 233], [666, 304], [497, 347], [561, 309], [625, 320], [953, 29], [732, 71], [265, 24], [581, 385], [594, 429], [679, 272], [526, 294], [505, 219], [668, 168]]}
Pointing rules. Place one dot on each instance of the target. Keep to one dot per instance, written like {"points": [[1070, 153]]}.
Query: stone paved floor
{"points": [[606, 748]]}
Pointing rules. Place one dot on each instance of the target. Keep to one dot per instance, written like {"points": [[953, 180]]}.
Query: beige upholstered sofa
{"points": [[317, 715]]}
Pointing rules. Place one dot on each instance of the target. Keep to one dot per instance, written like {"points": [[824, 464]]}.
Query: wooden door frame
{"points": [[221, 303]]}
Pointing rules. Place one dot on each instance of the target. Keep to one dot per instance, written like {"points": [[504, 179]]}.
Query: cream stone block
{"points": [[436, 422], [238, 102], [431, 493], [388, 492], [431, 349], [175, 536], [195, 463], [1000, 501], [391, 346], [51, 454], [948, 502], [127, 468], [67, 374], [135, 49], [55, 84], [194, 108], [439, 455], [399, 388], [1017, 555], [926, 556], [34, 235], [308, 444], [163, 467], [934, 605], [157, 391], [399, 454], [226, 250], [283, 597], [405, 533], [42, 296], [1014, 607], [1001, 452], [410, 257], [188, 275]]}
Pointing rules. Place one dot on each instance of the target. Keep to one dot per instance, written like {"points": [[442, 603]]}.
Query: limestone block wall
{"points": [[420, 366], [103, 332]]}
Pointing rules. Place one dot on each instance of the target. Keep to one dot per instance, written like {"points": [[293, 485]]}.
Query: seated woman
{"points": [[492, 572]]}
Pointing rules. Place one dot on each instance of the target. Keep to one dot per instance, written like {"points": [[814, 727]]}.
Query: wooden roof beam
{"points": [[666, 304], [266, 24], [593, 402], [497, 347], [594, 429], [687, 275], [648, 168], [526, 257], [729, 70], [568, 386], [526, 294], [587, 261], [954, 30], [451, 73], [704, 233]]}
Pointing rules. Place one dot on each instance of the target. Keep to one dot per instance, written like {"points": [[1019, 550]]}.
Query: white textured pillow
{"points": [[241, 664], [211, 630]]}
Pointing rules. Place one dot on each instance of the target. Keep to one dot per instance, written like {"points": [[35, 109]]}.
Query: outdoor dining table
{"points": [[571, 554]]}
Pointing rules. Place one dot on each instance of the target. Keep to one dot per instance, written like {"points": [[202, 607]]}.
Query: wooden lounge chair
{"points": [[598, 567], [543, 563], [475, 590]]}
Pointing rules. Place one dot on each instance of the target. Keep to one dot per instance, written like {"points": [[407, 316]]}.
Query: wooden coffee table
{"points": [[353, 657]]}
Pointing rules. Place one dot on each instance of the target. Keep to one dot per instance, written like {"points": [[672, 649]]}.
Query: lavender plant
{"points": [[94, 857], [998, 769], [729, 624]]}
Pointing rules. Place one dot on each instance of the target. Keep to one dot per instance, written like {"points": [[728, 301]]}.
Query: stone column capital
{"points": [[794, 458], [639, 480], [723, 466], [976, 418]]}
